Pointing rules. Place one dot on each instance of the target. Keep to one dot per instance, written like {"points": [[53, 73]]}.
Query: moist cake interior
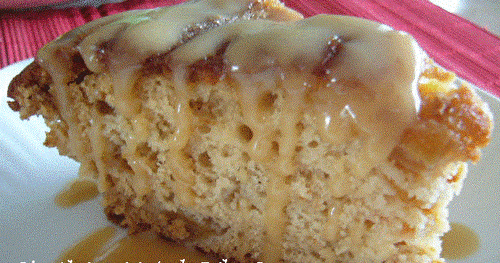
{"points": [[245, 130]]}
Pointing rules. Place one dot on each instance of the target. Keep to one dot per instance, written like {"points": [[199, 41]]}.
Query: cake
{"points": [[247, 131]]}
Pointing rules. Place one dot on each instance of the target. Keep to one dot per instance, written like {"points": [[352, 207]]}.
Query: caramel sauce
{"points": [[460, 242], [77, 191], [109, 245], [88, 248]]}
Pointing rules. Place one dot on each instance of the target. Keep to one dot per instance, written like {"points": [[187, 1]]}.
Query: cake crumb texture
{"points": [[191, 153]]}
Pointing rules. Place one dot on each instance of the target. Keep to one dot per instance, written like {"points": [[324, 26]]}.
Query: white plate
{"points": [[34, 229]]}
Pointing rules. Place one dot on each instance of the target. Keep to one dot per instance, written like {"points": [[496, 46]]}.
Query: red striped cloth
{"points": [[453, 42]]}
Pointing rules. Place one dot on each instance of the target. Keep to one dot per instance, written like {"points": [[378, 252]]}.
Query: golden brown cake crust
{"points": [[32, 77], [461, 110]]}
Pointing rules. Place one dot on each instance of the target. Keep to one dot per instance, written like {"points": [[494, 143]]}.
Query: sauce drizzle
{"points": [[77, 191]]}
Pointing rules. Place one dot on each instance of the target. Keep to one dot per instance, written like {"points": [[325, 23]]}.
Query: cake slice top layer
{"points": [[339, 69]]}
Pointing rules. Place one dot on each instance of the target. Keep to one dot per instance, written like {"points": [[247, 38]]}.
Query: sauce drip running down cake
{"points": [[245, 130]]}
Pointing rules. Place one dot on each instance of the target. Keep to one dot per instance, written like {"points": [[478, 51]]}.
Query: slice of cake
{"points": [[242, 129]]}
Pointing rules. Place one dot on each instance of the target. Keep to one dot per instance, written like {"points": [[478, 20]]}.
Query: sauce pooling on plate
{"points": [[108, 245], [460, 242]]}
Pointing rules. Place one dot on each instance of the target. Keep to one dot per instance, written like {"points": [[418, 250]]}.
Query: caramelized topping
{"points": [[212, 67]]}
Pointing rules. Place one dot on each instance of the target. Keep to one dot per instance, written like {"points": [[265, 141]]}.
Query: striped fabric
{"points": [[453, 42]]}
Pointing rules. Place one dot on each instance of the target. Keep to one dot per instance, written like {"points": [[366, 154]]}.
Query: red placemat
{"points": [[453, 42]]}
